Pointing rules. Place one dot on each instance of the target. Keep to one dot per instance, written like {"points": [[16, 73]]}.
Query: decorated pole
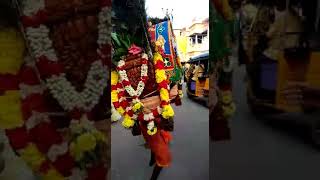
{"points": [[222, 106]]}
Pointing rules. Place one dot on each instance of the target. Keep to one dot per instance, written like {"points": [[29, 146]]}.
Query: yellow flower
{"points": [[167, 112], [228, 111], [10, 114], [137, 106], [86, 142], [114, 96], [164, 94], [76, 151], [11, 50], [153, 131], [99, 136], [52, 175], [157, 57], [121, 110], [32, 156], [226, 97], [114, 77], [180, 92], [127, 122], [160, 76]]}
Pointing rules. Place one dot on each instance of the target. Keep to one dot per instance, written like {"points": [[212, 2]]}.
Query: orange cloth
{"points": [[159, 145]]}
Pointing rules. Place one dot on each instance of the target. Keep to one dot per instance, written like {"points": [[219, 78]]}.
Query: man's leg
{"points": [[156, 171], [152, 159]]}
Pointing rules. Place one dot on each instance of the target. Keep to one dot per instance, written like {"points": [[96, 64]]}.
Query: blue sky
{"points": [[183, 10]]}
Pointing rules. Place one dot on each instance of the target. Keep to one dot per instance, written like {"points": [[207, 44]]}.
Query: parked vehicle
{"points": [[266, 79], [197, 78]]}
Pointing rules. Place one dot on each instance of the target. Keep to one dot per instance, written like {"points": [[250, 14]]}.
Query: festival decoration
{"points": [[11, 44], [144, 115], [133, 110], [221, 67], [52, 71], [125, 81], [163, 37], [76, 151]]}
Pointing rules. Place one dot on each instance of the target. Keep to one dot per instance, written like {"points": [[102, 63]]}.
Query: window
{"points": [[192, 40], [200, 39]]}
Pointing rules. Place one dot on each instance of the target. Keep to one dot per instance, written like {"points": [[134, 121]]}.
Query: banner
{"points": [[163, 32]]}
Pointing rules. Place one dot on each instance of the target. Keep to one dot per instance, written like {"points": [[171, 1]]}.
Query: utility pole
{"points": [[168, 14]]}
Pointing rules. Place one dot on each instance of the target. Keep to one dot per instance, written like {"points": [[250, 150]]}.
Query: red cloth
{"points": [[219, 126], [9, 82], [159, 145]]}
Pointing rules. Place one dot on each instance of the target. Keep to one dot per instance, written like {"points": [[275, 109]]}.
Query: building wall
{"points": [[194, 46]]}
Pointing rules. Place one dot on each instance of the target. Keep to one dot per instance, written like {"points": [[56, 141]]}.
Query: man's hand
{"points": [[151, 103], [174, 92]]}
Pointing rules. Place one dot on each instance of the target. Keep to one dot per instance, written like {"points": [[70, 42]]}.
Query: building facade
{"points": [[193, 40]]}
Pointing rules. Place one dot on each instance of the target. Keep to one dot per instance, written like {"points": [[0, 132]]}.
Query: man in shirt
{"points": [[284, 32]]}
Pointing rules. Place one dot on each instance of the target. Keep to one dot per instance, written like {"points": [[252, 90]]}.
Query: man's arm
{"points": [[276, 28], [154, 101]]}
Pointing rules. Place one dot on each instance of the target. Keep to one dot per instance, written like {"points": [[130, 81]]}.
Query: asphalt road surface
{"points": [[261, 150], [190, 148]]}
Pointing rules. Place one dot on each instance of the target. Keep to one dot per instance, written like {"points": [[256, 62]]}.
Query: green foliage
{"points": [[121, 42], [219, 33], [129, 26], [177, 74]]}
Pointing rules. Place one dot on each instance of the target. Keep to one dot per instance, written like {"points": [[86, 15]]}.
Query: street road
{"points": [[261, 150], [190, 148]]}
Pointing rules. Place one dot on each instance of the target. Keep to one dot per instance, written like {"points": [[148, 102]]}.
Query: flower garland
{"points": [[133, 111], [12, 50], [37, 140], [125, 80], [40, 144], [51, 70], [228, 106]]}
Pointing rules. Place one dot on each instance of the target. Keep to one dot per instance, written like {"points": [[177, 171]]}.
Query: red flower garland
{"points": [[44, 135]]}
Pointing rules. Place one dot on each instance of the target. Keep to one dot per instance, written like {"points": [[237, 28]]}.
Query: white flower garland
{"points": [[36, 119], [40, 42], [150, 125], [57, 150], [60, 87], [124, 77], [146, 117], [26, 90], [115, 115], [30, 7]]}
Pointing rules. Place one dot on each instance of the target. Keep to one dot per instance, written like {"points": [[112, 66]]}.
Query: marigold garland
{"points": [[12, 50], [10, 114], [132, 110], [36, 139]]}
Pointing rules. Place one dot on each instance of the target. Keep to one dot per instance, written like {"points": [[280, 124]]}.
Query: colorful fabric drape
{"points": [[163, 33]]}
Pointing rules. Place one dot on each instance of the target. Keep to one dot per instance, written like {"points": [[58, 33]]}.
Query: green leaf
{"points": [[177, 74], [125, 42], [129, 40], [121, 52], [116, 39]]}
